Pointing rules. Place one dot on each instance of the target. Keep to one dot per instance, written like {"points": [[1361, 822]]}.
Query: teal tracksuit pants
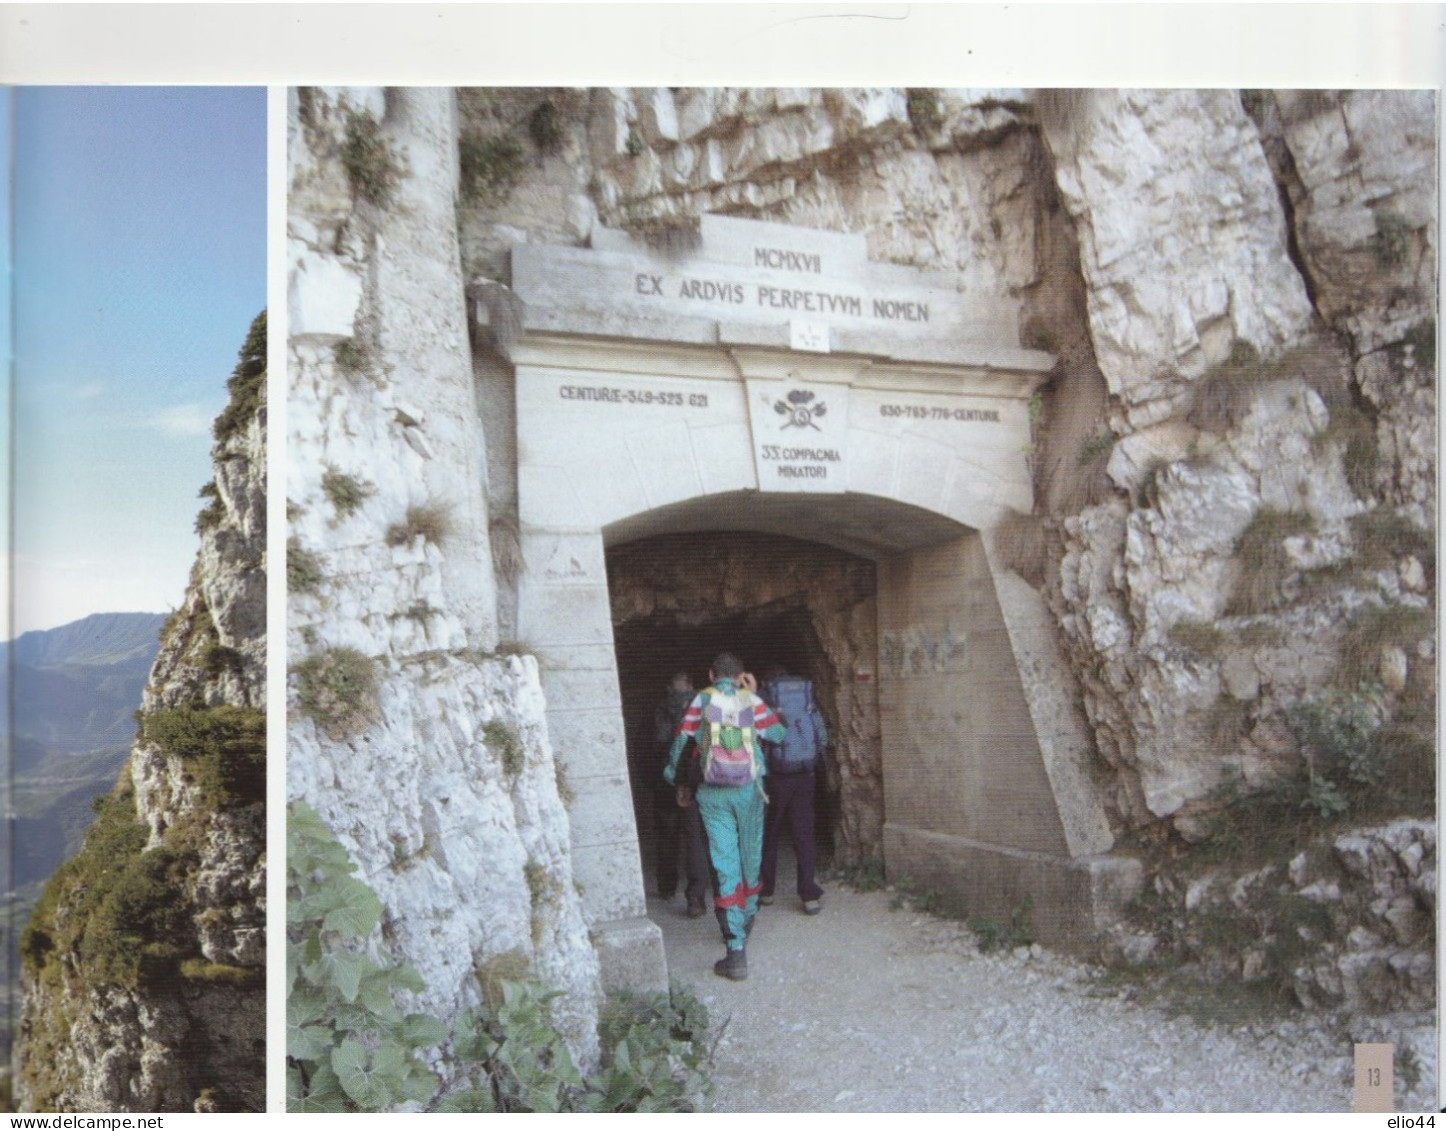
{"points": [[733, 818]]}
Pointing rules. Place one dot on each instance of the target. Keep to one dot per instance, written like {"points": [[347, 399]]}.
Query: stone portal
{"points": [[756, 379]]}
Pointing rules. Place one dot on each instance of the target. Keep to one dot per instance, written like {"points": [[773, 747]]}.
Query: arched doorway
{"points": [[680, 599], [902, 451]]}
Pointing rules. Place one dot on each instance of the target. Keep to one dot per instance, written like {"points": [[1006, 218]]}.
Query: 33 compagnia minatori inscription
{"points": [[800, 462]]}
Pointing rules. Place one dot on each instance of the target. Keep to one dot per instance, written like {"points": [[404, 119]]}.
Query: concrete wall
{"points": [[961, 757]]}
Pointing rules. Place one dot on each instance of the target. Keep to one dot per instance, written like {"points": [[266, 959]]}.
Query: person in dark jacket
{"points": [[791, 782], [676, 814]]}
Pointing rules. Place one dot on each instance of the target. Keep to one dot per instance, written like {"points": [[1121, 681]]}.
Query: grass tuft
{"points": [[1264, 564], [432, 522], [372, 168], [345, 492], [338, 690]]}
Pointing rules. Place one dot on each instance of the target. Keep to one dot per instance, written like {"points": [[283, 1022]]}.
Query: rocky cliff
{"points": [[417, 737], [1233, 461], [144, 961]]}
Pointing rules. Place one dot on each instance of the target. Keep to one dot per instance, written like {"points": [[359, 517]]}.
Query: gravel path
{"points": [[867, 1009]]}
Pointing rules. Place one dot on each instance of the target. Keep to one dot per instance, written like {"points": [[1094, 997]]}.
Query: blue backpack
{"points": [[806, 738]]}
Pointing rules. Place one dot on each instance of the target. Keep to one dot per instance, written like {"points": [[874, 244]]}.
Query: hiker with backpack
{"points": [[675, 813], [791, 782], [727, 720]]}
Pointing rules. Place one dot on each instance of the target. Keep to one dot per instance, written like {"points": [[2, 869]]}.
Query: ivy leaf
{"points": [[357, 910], [421, 1030], [295, 957], [367, 1079], [420, 1085], [376, 995], [341, 969], [309, 1042], [405, 977], [323, 1093], [468, 1101]]}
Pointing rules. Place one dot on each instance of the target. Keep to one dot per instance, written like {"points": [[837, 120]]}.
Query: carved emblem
{"points": [[800, 413]]}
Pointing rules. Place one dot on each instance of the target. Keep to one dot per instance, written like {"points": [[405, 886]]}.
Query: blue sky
{"points": [[139, 262]]}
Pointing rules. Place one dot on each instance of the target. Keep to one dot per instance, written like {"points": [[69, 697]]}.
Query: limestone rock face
{"points": [[444, 789], [1182, 241], [144, 973], [1188, 251]]}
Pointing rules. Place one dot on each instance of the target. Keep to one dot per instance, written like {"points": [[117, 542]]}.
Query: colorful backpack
{"points": [[804, 742], [727, 745]]}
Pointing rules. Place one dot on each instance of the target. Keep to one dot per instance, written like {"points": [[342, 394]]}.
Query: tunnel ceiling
{"points": [[866, 525]]}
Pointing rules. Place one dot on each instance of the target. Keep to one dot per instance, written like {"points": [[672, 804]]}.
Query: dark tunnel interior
{"points": [[650, 650]]}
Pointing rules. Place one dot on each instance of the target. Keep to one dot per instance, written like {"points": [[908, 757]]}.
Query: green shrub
{"points": [[1222, 394], [634, 144], [303, 568], [1338, 729], [247, 383], [866, 875], [490, 167], [1382, 538], [1201, 637], [1017, 932], [432, 521], [1096, 449], [545, 126], [506, 966], [504, 741], [1421, 340], [655, 1054], [564, 787], [350, 1048], [223, 748], [922, 106], [353, 357], [126, 909], [372, 168], [338, 689], [211, 515], [199, 970], [217, 658], [1374, 627], [345, 492], [1264, 564], [1392, 238]]}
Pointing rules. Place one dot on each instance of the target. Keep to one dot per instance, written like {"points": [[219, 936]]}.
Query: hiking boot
{"points": [[812, 907], [696, 910], [734, 967], [765, 901]]}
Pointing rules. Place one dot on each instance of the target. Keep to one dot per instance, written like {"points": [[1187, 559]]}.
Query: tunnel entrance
{"points": [[679, 600], [696, 473]]}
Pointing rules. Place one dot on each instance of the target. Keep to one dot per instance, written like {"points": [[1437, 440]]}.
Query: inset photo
{"points": [[882, 600], [135, 654]]}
